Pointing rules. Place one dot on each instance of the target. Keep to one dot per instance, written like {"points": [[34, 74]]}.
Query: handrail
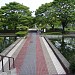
{"points": [[2, 56]]}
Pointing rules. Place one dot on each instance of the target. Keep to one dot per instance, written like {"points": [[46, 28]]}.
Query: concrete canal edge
{"points": [[59, 56], [12, 51], [8, 49]]}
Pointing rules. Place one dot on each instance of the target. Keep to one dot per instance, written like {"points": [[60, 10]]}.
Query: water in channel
{"points": [[66, 45], [5, 42]]}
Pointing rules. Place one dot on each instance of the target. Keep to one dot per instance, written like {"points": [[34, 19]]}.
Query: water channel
{"points": [[66, 45], [6, 41]]}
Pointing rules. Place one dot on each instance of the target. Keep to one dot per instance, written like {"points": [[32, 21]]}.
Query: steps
{"points": [[10, 72]]}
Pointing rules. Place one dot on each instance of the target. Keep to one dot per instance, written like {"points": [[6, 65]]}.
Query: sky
{"points": [[32, 4]]}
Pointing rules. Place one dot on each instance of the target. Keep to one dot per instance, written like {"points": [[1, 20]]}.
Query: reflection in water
{"points": [[5, 42], [66, 47]]}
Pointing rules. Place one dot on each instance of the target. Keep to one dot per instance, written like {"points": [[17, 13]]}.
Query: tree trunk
{"points": [[4, 27], [14, 26], [63, 27], [52, 27]]}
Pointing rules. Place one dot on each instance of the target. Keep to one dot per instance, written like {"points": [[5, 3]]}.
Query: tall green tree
{"points": [[27, 21], [45, 15], [41, 14], [63, 11], [57, 12], [1, 19], [13, 12]]}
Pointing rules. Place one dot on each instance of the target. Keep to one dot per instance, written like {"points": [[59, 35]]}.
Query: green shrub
{"points": [[21, 33], [72, 65], [22, 28], [52, 33]]}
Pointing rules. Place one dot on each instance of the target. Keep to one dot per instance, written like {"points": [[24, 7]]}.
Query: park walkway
{"points": [[35, 59]]}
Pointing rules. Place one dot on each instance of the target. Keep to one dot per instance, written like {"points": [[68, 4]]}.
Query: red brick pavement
{"points": [[41, 68], [19, 59]]}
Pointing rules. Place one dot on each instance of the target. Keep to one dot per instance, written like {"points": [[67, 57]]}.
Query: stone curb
{"points": [[60, 57], [8, 49]]}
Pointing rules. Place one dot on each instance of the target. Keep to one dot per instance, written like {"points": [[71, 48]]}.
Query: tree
{"points": [[12, 14], [45, 15], [41, 16], [57, 12], [26, 21], [63, 11]]}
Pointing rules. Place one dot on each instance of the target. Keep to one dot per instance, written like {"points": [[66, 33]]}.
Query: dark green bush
{"points": [[53, 33], [72, 65], [21, 33]]}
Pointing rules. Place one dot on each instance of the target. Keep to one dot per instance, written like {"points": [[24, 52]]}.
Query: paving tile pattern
{"points": [[50, 65], [29, 64], [33, 59], [41, 63], [20, 57], [30, 60]]}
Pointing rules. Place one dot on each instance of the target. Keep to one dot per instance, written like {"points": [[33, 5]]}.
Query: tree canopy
{"points": [[56, 12], [13, 14]]}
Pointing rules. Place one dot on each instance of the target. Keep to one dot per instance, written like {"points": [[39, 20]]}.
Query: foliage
{"points": [[58, 13], [21, 33], [70, 29], [21, 27], [1, 39], [72, 65], [26, 21], [41, 16], [52, 33], [64, 11], [13, 14]]}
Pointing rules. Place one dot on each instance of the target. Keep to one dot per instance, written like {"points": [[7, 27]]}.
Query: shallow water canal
{"points": [[5, 42], [66, 45]]}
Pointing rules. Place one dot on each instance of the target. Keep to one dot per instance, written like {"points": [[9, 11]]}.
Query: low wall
{"points": [[8, 49], [60, 57]]}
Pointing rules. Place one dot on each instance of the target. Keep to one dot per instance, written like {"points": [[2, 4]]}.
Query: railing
{"points": [[2, 57]]}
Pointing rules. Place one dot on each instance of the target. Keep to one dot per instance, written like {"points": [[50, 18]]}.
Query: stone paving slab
{"points": [[29, 64], [50, 65], [20, 57], [32, 61], [65, 63], [34, 58], [55, 61], [41, 63], [12, 53]]}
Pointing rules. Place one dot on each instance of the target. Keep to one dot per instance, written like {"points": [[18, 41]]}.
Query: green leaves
{"points": [[13, 13], [57, 12]]}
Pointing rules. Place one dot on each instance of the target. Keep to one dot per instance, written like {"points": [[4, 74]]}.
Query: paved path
{"points": [[41, 63], [54, 59], [35, 59], [30, 60]]}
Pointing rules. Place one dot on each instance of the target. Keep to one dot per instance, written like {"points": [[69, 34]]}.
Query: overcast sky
{"points": [[32, 4]]}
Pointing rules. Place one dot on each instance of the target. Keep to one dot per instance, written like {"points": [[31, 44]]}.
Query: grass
{"points": [[70, 29], [52, 33], [59, 32], [1, 39]]}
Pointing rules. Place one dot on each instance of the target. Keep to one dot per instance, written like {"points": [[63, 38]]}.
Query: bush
{"points": [[52, 33], [22, 28], [21, 33], [72, 66]]}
